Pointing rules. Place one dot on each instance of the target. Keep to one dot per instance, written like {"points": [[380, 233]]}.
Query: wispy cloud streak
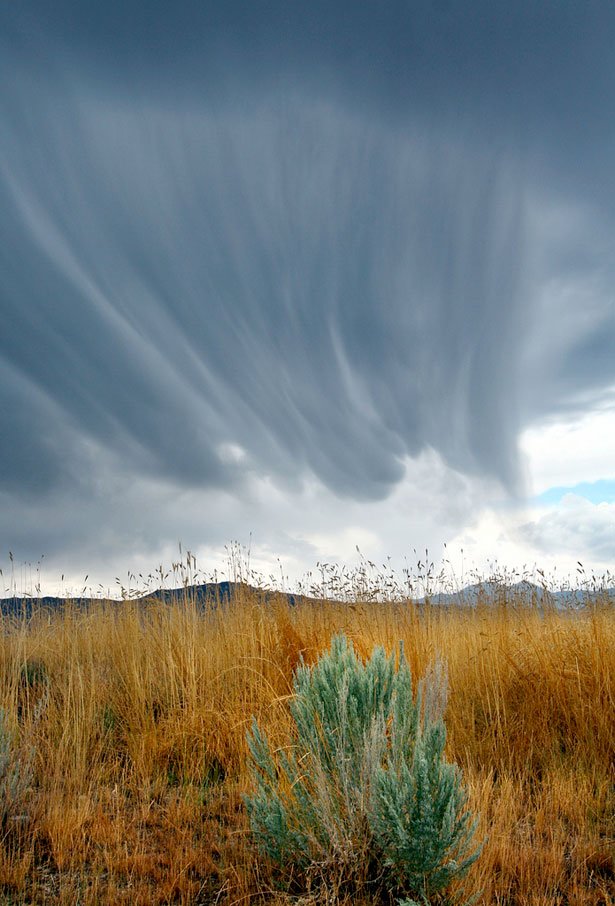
{"points": [[327, 294]]}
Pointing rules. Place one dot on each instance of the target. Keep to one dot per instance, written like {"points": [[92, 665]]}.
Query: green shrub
{"points": [[362, 798]]}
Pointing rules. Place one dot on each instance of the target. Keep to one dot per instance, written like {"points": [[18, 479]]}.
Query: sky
{"points": [[309, 277]]}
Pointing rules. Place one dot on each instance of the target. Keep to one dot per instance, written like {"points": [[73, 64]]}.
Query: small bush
{"points": [[363, 797]]}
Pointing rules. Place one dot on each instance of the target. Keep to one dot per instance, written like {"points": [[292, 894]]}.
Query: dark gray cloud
{"points": [[549, 62], [326, 294], [240, 243]]}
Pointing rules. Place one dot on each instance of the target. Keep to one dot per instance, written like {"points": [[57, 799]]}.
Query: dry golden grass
{"points": [[136, 718]]}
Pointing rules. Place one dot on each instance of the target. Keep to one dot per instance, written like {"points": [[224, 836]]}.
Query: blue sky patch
{"points": [[602, 491]]}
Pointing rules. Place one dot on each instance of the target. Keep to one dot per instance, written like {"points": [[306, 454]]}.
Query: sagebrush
{"points": [[363, 797]]}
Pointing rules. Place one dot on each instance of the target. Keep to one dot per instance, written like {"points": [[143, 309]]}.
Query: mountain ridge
{"points": [[215, 593]]}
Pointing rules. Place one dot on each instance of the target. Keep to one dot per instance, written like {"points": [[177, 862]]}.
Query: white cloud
{"points": [[565, 453], [526, 539], [576, 528]]}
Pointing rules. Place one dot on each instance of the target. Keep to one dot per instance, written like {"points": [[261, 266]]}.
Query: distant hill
{"points": [[209, 593], [524, 592], [214, 593]]}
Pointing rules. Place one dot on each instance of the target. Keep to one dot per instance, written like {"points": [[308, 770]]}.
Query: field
{"points": [[132, 720]]}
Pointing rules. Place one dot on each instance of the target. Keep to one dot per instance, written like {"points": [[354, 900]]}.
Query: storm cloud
{"points": [[304, 243]]}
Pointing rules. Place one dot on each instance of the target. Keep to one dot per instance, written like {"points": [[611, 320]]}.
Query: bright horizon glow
{"points": [[552, 531]]}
